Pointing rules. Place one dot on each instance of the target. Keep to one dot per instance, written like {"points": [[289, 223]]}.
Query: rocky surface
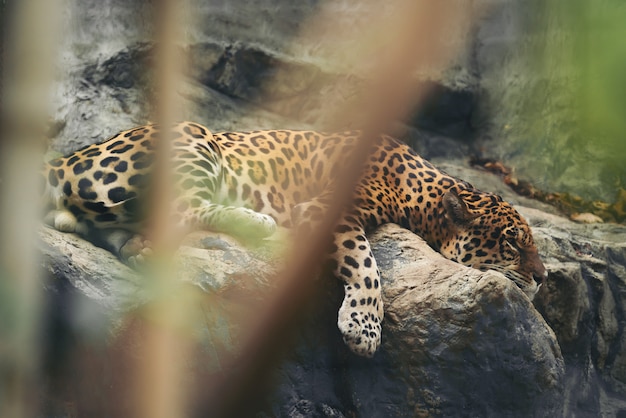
{"points": [[446, 328], [584, 304], [449, 327], [583, 301], [240, 76]]}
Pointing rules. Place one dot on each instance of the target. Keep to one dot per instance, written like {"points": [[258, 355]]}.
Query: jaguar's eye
{"points": [[512, 243]]}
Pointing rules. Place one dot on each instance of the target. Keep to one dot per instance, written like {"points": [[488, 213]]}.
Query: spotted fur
{"points": [[248, 182]]}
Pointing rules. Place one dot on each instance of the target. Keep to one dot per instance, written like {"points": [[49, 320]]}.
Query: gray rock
{"points": [[465, 342], [583, 301], [446, 328], [256, 76]]}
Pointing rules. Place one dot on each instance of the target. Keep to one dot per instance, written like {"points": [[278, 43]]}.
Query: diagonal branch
{"points": [[388, 97]]}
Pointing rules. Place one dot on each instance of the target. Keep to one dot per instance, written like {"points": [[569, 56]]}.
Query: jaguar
{"points": [[247, 183]]}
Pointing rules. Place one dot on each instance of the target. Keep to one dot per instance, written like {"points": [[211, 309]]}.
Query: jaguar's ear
{"points": [[456, 209]]}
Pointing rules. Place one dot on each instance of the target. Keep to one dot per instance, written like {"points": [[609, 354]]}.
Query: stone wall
{"points": [[548, 74]]}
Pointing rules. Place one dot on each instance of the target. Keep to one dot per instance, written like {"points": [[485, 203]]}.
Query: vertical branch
{"points": [[159, 379], [27, 73], [419, 28], [167, 71]]}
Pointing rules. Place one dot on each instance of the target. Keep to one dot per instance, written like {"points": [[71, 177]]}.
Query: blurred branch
{"points": [[419, 29], [29, 48], [160, 374]]}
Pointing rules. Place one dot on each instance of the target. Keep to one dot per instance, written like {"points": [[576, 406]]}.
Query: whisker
{"points": [[513, 275]]}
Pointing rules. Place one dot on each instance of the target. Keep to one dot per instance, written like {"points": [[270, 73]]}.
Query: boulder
{"points": [[446, 328], [463, 342], [583, 299]]}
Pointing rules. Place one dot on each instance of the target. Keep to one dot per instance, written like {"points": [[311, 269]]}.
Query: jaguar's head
{"points": [[487, 233]]}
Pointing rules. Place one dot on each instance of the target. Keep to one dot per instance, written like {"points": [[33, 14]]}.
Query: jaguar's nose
{"points": [[541, 277]]}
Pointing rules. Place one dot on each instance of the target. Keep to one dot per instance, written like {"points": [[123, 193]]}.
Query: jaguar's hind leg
{"points": [[136, 250], [307, 216], [132, 248], [200, 181], [245, 222], [238, 221], [62, 220]]}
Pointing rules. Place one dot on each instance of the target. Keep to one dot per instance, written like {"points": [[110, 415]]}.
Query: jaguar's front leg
{"points": [[361, 312]]}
